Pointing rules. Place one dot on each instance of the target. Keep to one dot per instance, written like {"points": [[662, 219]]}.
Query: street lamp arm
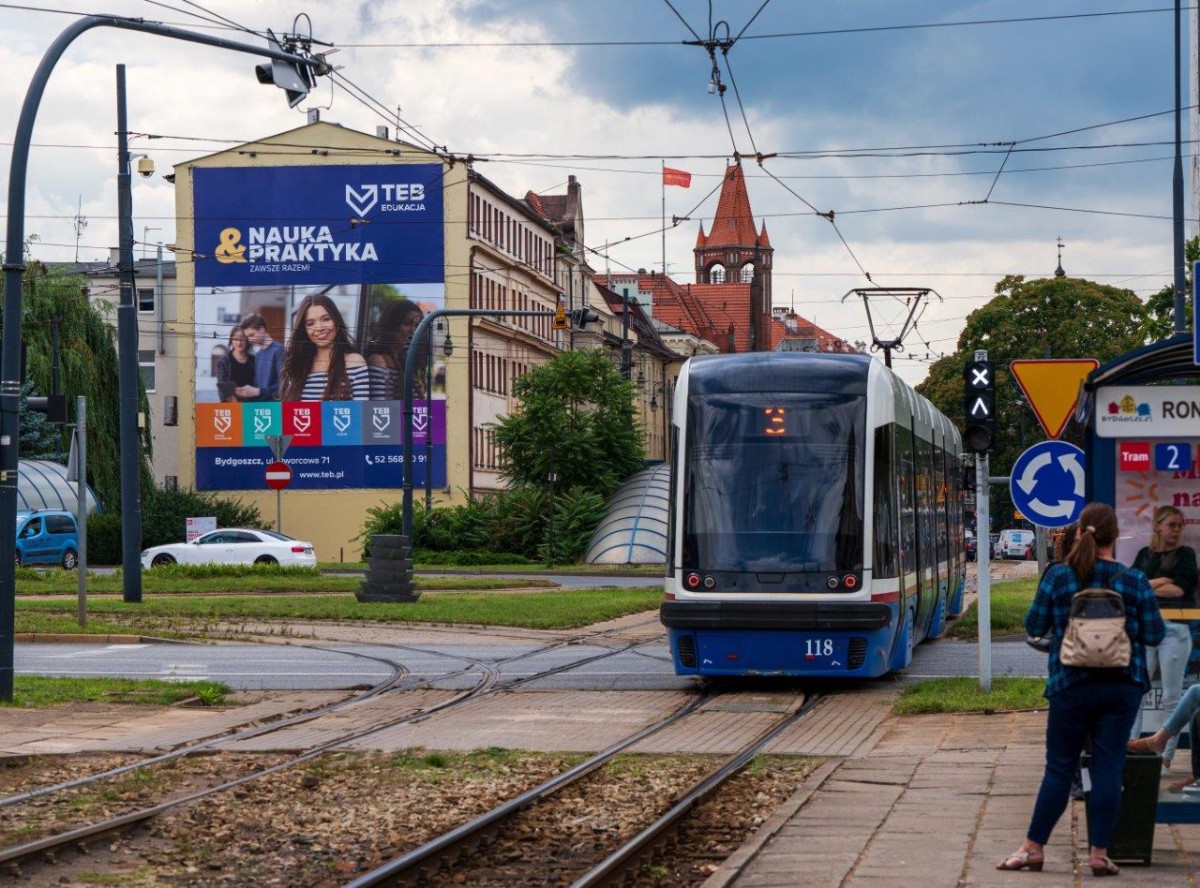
{"points": [[410, 365], [14, 268]]}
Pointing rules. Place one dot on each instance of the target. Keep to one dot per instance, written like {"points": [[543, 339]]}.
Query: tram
{"points": [[816, 520]]}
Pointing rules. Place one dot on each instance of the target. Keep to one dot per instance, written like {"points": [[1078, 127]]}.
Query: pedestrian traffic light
{"points": [[979, 405]]}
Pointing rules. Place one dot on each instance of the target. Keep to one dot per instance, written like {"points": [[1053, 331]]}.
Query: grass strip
{"points": [[559, 609], [176, 580], [964, 695], [1010, 601], [36, 691]]}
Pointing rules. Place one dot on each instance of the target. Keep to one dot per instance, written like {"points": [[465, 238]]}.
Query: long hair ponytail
{"points": [[1097, 530]]}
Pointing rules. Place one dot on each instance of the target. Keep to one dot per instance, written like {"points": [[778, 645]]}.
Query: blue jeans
{"points": [[1171, 659], [1188, 706], [1105, 713]]}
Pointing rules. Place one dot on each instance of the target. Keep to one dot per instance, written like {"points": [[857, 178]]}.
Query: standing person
{"points": [[321, 363], [236, 369], [268, 361], [1100, 703], [1171, 568], [387, 351]]}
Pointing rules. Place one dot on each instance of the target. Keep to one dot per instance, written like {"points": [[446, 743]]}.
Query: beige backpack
{"points": [[1095, 637]]}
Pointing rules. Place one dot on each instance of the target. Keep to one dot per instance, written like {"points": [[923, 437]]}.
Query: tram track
{"points": [[489, 681], [450, 857]]}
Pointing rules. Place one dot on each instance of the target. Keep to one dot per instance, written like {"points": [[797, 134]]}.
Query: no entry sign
{"points": [[279, 475]]}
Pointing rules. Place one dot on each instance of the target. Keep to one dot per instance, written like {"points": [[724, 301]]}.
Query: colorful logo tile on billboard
{"points": [[341, 423], [218, 425], [381, 422], [261, 420], [318, 224], [302, 420]]}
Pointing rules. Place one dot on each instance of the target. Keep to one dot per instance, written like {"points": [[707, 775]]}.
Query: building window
{"points": [[146, 368], [145, 299], [716, 275], [748, 273]]}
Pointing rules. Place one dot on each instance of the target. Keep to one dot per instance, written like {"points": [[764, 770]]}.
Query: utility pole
{"points": [[127, 334], [81, 510], [1177, 182]]}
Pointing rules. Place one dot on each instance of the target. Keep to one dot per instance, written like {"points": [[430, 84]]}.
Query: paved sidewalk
{"points": [[933, 801]]}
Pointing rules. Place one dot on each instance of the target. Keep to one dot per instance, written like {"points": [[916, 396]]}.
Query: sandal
{"points": [[1020, 860], [1143, 746], [1102, 866]]}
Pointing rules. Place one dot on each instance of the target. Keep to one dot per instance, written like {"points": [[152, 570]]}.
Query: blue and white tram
{"points": [[816, 517]]}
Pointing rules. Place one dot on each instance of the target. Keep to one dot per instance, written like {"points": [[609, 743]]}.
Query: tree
{"points": [[576, 421], [1160, 308], [88, 367], [1048, 317]]}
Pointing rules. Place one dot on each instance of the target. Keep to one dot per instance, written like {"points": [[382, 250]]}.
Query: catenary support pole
{"points": [[410, 366], [14, 273], [127, 375], [1179, 252], [81, 508]]}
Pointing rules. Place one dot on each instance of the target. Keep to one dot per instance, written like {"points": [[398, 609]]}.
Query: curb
{"points": [[83, 637]]}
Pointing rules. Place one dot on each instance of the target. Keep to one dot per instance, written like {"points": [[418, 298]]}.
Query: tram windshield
{"points": [[773, 482]]}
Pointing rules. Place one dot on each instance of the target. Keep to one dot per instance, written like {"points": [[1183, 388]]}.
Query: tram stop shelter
{"points": [[1141, 416]]}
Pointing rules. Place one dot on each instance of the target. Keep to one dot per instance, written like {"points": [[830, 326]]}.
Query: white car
{"points": [[234, 545]]}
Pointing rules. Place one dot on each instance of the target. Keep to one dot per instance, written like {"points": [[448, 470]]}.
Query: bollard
{"points": [[389, 571]]}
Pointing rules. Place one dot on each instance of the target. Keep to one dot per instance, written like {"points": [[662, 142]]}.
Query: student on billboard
{"points": [[268, 362], [321, 363], [387, 351], [235, 370]]}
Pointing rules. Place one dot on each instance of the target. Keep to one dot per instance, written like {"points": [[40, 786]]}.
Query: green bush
{"points": [[104, 538], [214, 571], [165, 514], [577, 513]]}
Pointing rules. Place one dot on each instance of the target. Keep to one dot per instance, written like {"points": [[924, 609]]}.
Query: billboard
{"points": [[309, 284]]}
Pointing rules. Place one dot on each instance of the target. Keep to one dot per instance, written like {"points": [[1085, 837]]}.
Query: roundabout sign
{"points": [[1047, 483]]}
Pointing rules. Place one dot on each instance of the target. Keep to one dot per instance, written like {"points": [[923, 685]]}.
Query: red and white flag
{"points": [[677, 177]]}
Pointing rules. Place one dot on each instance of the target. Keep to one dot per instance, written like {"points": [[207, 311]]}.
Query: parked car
{"points": [[47, 537], [972, 547], [234, 545], [1015, 543]]}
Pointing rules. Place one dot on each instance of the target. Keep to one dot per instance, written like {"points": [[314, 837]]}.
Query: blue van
{"points": [[47, 537]]}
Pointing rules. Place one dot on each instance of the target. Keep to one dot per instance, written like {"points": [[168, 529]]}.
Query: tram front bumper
{"points": [[825, 616]]}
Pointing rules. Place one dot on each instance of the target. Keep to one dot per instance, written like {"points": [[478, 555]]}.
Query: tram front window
{"points": [[773, 483]]}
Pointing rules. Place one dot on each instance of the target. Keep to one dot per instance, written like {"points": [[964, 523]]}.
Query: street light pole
{"points": [[410, 366], [127, 368], [14, 273]]}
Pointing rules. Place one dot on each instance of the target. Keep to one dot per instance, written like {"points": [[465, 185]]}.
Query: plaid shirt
{"points": [[1051, 609]]}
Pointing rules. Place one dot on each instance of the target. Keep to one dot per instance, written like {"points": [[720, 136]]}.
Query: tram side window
{"points": [[906, 475], [886, 550], [925, 516], [939, 501]]}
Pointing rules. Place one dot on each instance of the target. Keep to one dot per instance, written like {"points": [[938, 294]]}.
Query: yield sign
{"points": [[1051, 386]]}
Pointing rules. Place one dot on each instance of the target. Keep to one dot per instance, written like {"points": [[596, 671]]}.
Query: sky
{"points": [[954, 143]]}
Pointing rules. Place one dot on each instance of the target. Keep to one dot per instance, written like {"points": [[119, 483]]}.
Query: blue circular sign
{"points": [[1047, 483]]}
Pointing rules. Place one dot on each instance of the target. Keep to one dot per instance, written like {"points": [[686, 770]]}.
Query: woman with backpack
{"points": [[1096, 701]]}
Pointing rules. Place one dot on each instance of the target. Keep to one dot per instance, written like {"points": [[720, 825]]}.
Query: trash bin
{"points": [[1133, 836]]}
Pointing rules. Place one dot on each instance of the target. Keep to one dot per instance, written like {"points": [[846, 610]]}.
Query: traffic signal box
{"points": [[979, 405]]}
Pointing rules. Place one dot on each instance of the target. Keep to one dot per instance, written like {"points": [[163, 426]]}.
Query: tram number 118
{"points": [[818, 647]]}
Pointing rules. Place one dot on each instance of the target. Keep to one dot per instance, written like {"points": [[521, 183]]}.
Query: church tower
{"points": [[737, 255]]}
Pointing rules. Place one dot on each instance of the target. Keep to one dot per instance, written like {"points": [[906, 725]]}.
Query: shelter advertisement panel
{"points": [[310, 282]]}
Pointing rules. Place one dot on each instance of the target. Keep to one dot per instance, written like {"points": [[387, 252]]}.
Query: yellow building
{"points": [[305, 228]]}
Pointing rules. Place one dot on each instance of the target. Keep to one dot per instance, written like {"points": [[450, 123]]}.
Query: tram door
{"points": [[907, 478], [926, 536]]}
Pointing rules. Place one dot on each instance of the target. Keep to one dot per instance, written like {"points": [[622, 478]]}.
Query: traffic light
{"points": [[581, 317], [54, 406], [979, 405], [294, 79]]}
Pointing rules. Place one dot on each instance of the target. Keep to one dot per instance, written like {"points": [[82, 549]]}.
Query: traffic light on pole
{"points": [[979, 405]]}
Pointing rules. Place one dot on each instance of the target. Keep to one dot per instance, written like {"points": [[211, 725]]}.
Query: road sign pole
{"points": [[279, 510], [983, 527]]}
